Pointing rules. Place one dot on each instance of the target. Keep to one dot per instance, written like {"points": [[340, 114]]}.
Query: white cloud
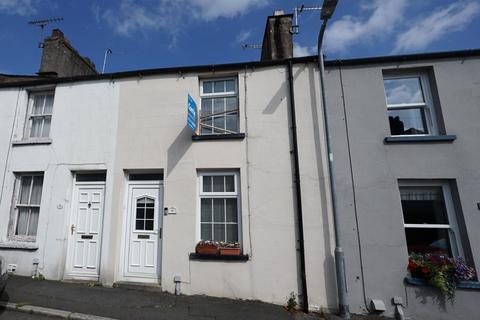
{"points": [[300, 51], [172, 15], [242, 36], [437, 25], [18, 7], [385, 16]]}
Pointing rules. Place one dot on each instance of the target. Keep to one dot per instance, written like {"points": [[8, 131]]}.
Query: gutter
{"points": [[298, 191]]}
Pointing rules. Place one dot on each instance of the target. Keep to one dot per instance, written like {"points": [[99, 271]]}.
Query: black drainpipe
{"points": [[298, 191]]}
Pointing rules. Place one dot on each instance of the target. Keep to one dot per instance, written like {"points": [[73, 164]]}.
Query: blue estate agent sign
{"points": [[192, 115]]}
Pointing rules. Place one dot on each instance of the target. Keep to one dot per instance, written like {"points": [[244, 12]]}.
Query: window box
{"points": [[206, 247], [230, 251]]}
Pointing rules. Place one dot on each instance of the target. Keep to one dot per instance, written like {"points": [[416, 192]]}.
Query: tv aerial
{"points": [[251, 46], [295, 29], [42, 24]]}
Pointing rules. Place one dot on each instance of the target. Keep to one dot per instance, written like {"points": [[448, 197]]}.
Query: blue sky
{"points": [[161, 33]]}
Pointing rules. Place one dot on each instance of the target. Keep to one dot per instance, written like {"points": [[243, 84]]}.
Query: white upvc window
{"points": [[219, 204], [219, 106], [26, 211], [429, 218], [410, 105], [40, 108]]}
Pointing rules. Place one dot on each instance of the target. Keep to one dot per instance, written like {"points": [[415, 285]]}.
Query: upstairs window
{"points": [[409, 104], [219, 106], [39, 115]]}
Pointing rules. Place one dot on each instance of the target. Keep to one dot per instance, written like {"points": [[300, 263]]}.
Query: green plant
{"points": [[39, 277], [440, 271], [292, 302]]}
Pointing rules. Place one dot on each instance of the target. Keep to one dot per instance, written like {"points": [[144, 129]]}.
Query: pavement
{"points": [[41, 298]]}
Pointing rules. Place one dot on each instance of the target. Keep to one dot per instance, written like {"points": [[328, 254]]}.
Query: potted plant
{"points": [[229, 248], [440, 271], [207, 247]]}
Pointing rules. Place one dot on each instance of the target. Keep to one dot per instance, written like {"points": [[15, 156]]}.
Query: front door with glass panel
{"points": [[144, 221], [85, 231]]}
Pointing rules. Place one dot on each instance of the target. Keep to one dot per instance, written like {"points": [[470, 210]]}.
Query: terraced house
{"points": [[102, 179]]}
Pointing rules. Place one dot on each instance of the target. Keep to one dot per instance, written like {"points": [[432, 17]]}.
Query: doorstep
{"points": [[153, 287]]}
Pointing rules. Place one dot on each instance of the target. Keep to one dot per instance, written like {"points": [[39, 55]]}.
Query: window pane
{"points": [[219, 86], [36, 127], [207, 130], [421, 240], [33, 223], [408, 90], [149, 213], [22, 221], [149, 225], [141, 202], [139, 225], [232, 232], [219, 232], [231, 103], [407, 121], [218, 105], [206, 231], [232, 122], [218, 184], [37, 107], [230, 85], [219, 122], [207, 87], [206, 209], [140, 213], [423, 205], [207, 183], [206, 106], [229, 183], [231, 210], [25, 189], [36, 196], [48, 104], [46, 127], [219, 210]]}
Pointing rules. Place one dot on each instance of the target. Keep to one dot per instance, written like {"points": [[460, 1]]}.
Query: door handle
{"points": [[72, 228], [160, 233]]}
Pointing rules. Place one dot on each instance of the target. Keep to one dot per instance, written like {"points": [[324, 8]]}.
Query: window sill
{"points": [[474, 285], [421, 139], [230, 136], [31, 142], [217, 257], [17, 245]]}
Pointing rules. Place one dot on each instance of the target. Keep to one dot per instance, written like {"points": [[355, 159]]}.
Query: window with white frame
{"points": [[28, 195], [39, 115], [219, 106], [219, 206], [410, 105], [430, 219]]}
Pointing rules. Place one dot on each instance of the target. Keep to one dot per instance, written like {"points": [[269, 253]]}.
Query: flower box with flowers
{"points": [[207, 247], [229, 248], [440, 271]]}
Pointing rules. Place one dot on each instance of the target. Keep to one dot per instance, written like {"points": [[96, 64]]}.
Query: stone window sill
{"points": [[17, 245], [473, 285], [420, 139], [216, 257], [230, 136], [31, 142]]}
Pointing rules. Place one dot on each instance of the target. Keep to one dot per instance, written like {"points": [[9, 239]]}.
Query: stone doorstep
{"points": [[49, 312], [152, 287]]}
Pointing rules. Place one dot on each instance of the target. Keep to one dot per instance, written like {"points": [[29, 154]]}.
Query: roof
{"points": [[247, 65]]}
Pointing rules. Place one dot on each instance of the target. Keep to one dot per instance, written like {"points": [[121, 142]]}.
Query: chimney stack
{"points": [[60, 59], [277, 40]]}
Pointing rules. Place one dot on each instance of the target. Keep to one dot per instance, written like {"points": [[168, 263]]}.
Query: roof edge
{"points": [[250, 64]]}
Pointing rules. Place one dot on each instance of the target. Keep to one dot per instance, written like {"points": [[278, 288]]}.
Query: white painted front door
{"points": [[144, 231], [86, 231]]}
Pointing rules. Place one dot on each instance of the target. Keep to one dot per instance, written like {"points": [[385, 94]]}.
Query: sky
{"points": [[146, 34]]}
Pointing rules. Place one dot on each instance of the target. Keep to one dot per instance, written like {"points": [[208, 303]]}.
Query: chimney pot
{"points": [[57, 33], [278, 13]]}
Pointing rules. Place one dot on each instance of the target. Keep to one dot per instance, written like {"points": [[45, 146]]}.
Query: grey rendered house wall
{"points": [[368, 196]]}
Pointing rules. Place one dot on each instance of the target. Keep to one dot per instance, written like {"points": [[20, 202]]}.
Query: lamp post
{"points": [[326, 13]]}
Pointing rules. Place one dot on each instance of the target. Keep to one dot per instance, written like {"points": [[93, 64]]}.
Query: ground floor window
{"points": [[219, 206], [26, 211], [430, 219]]}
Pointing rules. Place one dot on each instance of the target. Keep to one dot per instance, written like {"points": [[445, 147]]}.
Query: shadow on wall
{"points": [[430, 296], [178, 148], [277, 98], [329, 262], [4, 298]]}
